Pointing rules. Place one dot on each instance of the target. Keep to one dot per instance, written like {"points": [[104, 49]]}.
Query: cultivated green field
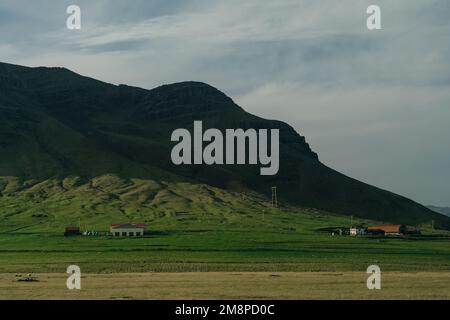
{"points": [[237, 250]]}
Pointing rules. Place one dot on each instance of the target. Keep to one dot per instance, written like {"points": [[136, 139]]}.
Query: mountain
{"points": [[442, 210], [56, 125]]}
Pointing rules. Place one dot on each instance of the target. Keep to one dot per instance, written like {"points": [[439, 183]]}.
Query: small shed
{"points": [[72, 231]]}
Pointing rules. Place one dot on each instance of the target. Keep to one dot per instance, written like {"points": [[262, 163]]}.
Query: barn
{"points": [[72, 231], [389, 229], [127, 230]]}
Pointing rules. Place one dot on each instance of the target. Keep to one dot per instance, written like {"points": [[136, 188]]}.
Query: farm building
{"points": [[127, 230], [357, 231], [72, 231], [389, 229]]}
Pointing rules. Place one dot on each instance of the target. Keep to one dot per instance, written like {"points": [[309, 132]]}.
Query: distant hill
{"points": [[443, 210], [56, 124]]}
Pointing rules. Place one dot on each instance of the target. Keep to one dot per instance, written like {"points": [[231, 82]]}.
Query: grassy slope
{"points": [[51, 205]]}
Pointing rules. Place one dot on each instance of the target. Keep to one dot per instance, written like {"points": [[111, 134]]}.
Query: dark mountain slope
{"points": [[442, 210], [55, 123]]}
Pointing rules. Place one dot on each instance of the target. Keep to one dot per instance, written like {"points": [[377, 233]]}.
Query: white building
{"points": [[357, 231], [127, 230]]}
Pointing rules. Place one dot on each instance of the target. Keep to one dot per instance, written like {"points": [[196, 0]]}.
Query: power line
{"points": [[274, 197]]}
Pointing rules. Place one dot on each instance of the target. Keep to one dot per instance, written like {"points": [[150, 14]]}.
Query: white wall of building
{"points": [[127, 232]]}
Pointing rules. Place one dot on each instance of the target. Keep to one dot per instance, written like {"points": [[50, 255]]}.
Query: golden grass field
{"points": [[228, 285]]}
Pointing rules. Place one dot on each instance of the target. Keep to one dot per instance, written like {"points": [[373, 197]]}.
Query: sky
{"points": [[375, 105]]}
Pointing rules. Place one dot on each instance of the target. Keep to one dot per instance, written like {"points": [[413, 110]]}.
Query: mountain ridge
{"points": [[64, 124], [442, 210]]}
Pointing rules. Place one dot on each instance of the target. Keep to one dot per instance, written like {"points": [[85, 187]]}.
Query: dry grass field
{"points": [[228, 285]]}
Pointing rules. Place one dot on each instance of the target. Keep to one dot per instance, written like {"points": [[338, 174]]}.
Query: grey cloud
{"points": [[118, 46]]}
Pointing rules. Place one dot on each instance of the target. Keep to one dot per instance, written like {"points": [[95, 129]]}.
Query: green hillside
{"points": [[74, 148], [53, 204]]}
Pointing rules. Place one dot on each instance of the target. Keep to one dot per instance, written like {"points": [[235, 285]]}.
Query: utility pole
{"points": [[274, 197]]}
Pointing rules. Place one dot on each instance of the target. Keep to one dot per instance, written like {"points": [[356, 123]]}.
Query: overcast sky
{"points": [[374, 105]]}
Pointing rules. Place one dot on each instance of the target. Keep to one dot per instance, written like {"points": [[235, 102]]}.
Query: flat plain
{"points": [[230, 285]]}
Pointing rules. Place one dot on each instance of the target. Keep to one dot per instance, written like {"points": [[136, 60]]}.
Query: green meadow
{"points": [[218, 251]]}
